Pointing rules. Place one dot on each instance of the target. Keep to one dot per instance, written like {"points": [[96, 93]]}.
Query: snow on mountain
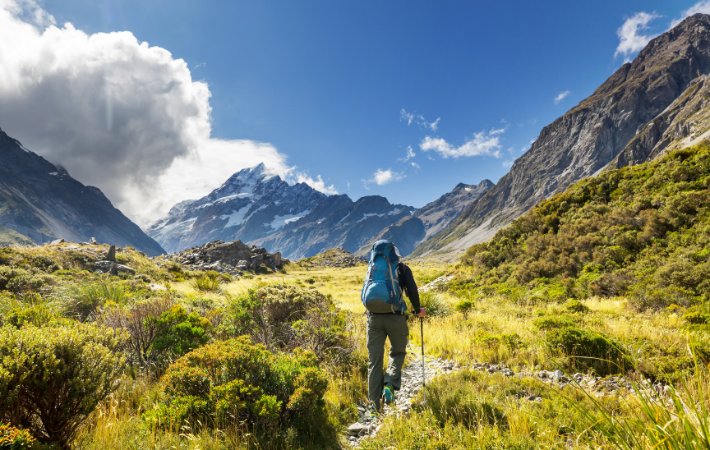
{"points": [[251, 204]]}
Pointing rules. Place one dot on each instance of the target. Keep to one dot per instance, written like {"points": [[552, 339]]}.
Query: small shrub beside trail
{"points": [[236, 383], [588, 350], [284, 317], [52, 378]]}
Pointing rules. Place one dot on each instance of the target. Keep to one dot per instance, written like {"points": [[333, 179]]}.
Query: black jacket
{"points": [[406, 280]]}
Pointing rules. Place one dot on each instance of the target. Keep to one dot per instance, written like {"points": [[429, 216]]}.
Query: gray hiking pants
{"points": [[379, 328]]}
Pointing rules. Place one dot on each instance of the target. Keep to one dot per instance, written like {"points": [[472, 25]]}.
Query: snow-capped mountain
{"points": [[251, 204], [336, 222]]}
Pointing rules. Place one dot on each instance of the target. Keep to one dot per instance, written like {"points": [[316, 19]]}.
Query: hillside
{"points": [[41, 202], [594, 133], [641, 231]]}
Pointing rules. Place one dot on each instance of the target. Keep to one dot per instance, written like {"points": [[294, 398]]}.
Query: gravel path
{"points": [[412, 383]]}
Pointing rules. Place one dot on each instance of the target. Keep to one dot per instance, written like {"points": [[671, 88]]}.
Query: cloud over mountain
{"points": [[117, 113]]}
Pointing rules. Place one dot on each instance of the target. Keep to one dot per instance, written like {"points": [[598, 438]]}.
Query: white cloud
{"points": [[700, 7], [630, 38], [415, 165], [410, 154], [418, 119], [435, 124], [200, 65], [318, 184], [508, 163], [482, 143], [561, 96], [382, 177], [117, 113]]}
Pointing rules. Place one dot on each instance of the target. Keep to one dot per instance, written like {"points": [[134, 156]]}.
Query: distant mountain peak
{"points": [[252, 203]]}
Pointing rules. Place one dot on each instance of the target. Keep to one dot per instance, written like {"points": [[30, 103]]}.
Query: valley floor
{"points": [[479, 406]]}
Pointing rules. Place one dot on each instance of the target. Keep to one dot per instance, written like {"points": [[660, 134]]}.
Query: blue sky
{"points": [[334, 85]]}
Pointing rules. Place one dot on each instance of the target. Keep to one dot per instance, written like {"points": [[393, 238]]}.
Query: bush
{"points": [[179, 332], [285, 317], [575, 306], [553, 322], [697, 318], [157, 328], [464, 306], [236, 382], [52, 378], [434, 304], [588, 350], [12, 438]]}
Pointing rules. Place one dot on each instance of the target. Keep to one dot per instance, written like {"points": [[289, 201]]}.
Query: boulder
{"points": [[111, 256], [57, 241]]}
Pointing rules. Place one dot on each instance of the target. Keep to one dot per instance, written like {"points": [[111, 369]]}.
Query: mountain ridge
{"points": [[590, 136], [41, 202]]}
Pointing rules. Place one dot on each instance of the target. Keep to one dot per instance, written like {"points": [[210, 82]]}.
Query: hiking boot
{"points": [[374, 414], [388, 394]]}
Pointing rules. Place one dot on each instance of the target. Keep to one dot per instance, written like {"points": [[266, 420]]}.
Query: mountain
{"points": [[337, 222], [40, 202], [411, 231], [251, 204], [629, 119]]}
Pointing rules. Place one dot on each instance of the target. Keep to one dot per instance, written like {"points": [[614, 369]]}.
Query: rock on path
{"points": [[434, 367], [411, 384]]}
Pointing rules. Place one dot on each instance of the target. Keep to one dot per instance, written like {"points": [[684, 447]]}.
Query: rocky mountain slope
{"points": [[411, 231], [633, 116], [251, 204], [40, 202], [335, 222]]}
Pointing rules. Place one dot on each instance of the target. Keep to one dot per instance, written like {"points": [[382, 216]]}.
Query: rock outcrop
{"points": [[230, 257], [335, 257], [633, 103], [41, 202]]}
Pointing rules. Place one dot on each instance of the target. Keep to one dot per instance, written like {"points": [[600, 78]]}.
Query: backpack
{"points": [[381, 292]]}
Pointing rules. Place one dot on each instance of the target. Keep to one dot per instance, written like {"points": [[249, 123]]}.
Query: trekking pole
{"points": [[421, 322]]}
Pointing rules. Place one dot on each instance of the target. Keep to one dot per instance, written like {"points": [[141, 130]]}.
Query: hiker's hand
{"points": [[422, 312]]}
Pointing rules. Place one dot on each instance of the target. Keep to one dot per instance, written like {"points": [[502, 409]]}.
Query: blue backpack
{"points": [[381, 292]]}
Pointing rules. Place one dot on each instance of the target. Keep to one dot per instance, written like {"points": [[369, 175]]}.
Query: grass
{"points": [[470, 409]]}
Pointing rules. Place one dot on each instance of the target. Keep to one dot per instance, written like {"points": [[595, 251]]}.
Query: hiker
{"points": [[387, 278]]}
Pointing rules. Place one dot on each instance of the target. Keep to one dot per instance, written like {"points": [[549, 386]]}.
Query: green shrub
{"points": [[310, 280], [586, 349], [575, 306], [179, 332], [697, 318], [651, 297], [236, 382], [553, 322], [52, 378], [286, 317], [8, 273], [464, 306], [85, 299], [12, 438], [434, 304]]}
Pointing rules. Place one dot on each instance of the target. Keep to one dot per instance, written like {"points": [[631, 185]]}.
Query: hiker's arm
{"points": [[410, 287]]}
